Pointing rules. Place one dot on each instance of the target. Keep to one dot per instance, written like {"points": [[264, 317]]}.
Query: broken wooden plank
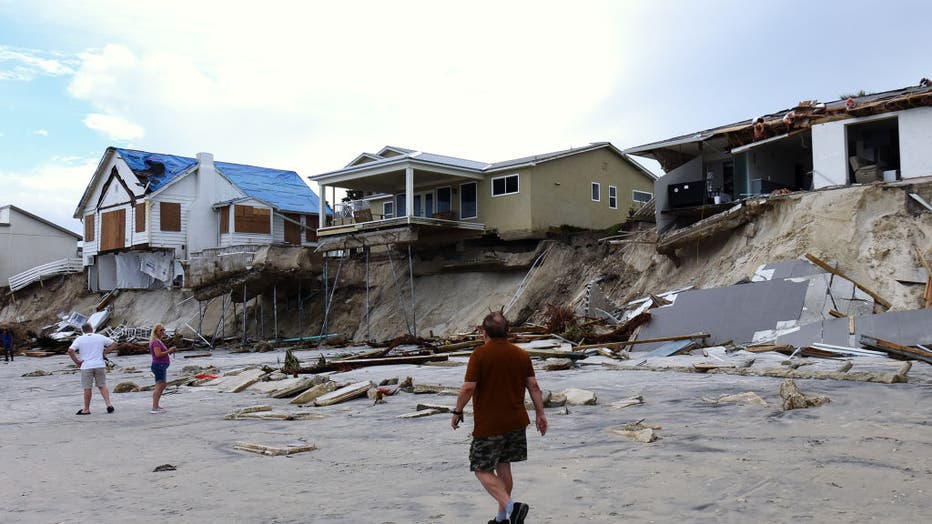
{"points": [[778, 372], [836, 314], [342, 365], [824, 265], [896, 349], [343, 394], [612, 345], [198, 355], [548, 353], [262, 449], [770, 347]]}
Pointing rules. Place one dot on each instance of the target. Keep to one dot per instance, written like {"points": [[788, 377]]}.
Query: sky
{"points": [[308, 86]]}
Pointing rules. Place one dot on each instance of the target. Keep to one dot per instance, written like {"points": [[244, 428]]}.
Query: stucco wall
{"points": [[829, 146], [26, 243], [916, 142], [563, 190]]}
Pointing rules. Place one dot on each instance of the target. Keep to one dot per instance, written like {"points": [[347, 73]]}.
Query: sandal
{"points": [[81, 412]]}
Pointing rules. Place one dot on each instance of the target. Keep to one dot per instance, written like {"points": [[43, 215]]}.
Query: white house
{"points": [[860, 139], [27, 241], [144, 213]]}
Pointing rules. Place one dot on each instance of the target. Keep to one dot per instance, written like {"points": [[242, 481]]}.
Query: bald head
{"points": [[495, 325]]}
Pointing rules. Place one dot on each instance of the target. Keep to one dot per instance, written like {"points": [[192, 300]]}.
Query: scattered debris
{"points": [[262, 449], [637, 431], [164, 467], [126, 387], [36, 373], [343, 394], [748, 397], [575, 397], [633, 401], [315, 392], [793, 398]]}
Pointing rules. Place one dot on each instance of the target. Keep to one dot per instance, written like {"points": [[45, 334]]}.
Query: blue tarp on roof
{"points": [[282, 189], [155, 168]]}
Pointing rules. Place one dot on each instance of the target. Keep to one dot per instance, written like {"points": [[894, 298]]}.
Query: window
{"points": [[310, 232], [444, 199], [468, 205], [140, 212], [401, 205], [596, 192], [641, 196], [225, 219], [613, 197], [248, 219], [505, 185], [89, 228], [169, 216], [388, 209]]}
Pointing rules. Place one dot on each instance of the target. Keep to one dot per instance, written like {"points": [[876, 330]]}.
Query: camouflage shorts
{"points": [[487, 452]]}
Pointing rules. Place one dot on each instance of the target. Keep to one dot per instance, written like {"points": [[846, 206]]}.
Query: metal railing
{"points": [[58, 267]]}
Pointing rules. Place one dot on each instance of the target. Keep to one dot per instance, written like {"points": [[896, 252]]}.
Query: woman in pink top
{"points": [[160, 362]]}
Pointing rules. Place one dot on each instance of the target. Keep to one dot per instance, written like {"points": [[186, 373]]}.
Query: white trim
{"points": [[505, 178], [461, 201], [612, 189], [649, 196], [598, 190]]}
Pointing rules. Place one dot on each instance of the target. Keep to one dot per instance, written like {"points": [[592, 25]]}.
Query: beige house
{"points": [[446, 198], [27, 241]]}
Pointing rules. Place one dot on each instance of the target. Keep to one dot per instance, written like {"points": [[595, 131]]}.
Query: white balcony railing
{"points": [[58, 267]]}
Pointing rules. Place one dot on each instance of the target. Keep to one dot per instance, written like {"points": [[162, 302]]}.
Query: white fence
{"points": [[59, 267]]}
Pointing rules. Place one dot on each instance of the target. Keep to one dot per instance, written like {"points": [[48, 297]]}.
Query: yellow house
{"points": [[419, 196]]}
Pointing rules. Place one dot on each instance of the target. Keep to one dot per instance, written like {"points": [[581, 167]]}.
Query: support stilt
{"points": [[244, 316], [401, 303], [411, 286], [367, 292], [275, 308]]}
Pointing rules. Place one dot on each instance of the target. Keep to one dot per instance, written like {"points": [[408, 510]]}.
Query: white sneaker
{"points": [[157, 411]]}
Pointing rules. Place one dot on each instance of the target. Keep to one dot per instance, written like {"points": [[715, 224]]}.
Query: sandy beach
{"points": [[864, 457]]}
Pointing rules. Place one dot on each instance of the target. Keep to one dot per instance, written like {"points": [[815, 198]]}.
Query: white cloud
{"points": [[60, 182], [25, 64], [41, 132], [320, 84], [116, 128]]}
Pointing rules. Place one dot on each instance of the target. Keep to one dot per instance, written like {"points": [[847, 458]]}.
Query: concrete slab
{"points": [[785, 269], [239, 382], [903, 327], [728, 313]]}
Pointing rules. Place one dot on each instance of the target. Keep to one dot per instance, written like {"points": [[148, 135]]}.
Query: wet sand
{"points": [[865, 456]]}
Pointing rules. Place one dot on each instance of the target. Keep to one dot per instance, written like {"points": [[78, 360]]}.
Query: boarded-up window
{"points": [[89, 228], [248, 219], [310, 234], [292, 228], [225, 219], [140, 217], [113, 230], [169, 216]]}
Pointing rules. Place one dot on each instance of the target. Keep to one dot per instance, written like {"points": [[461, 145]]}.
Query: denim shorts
{"points": [[487, 452], [160, 371]]}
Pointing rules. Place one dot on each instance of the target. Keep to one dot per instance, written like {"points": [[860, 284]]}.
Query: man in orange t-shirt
{"points": [[496, 377]]}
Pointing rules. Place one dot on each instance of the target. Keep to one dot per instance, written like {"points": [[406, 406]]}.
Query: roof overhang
{"points": [[389, 176]]}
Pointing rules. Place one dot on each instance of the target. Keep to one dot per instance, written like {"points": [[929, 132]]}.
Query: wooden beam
{"points": [[894, 348], [824, 265], [613, 345]]}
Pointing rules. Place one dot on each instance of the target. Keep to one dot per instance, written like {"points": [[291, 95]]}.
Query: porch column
{"points": [[409, 191], [322, 209]]}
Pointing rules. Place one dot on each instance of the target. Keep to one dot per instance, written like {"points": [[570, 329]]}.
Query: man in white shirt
{"points": [[93, 349]]}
